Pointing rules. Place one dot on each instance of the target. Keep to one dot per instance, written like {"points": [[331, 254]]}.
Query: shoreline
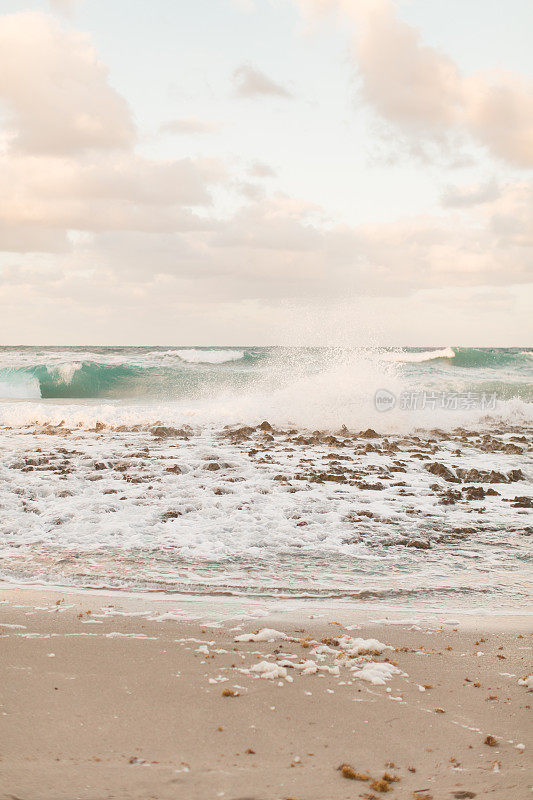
{"points": [[114, 694]]}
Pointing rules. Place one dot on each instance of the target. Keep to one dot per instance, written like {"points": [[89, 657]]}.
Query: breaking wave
{"points": [[196, 356], [308, 387], [419, 357]]}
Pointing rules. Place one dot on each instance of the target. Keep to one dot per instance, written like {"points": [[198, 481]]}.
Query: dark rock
{"points": [[370, 433], [449, 498], [512, 448], [522, 502], [265, 426], [176, 470], [241, 433], [420, 544], [515, 475], [441, 471], [474, 492], [483, 476], [162, 432]]}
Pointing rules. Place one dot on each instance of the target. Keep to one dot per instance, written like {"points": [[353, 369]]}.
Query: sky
{"points": [[266, 172]]}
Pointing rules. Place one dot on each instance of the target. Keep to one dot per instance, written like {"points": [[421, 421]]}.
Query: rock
{"points": [[474, 492], [443, 472], [327, 476], [449, 498], [162, 432], [420, 544], [265, 426], [370, 433], [213, 466], [522, 502], [512, 448], [241, 433], [515, 475], [483, 476], [170, 515], [176, 470], [497, 477]]}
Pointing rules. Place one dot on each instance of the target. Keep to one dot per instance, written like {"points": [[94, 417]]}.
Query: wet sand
{"points": [[116, 696]]}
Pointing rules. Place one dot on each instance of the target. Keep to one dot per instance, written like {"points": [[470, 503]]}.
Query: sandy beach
{"points": [[118, 696]]}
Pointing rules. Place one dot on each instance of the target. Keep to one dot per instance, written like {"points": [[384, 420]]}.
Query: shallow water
{"points": [[268, 513], [91, 494]]}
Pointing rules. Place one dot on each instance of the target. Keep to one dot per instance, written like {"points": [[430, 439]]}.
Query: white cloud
{"points": [[89, 228], [471, 195], [250, 82], [56, 90], [258, 169], [189, 125], [423, 92], [63, 6]]}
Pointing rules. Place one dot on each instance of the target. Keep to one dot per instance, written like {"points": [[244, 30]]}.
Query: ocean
{"points": [[391, 474]]}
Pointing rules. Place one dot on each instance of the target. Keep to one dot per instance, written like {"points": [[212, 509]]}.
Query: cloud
{"points": [[423, 92], [189, 125], [68, 161], [65, 7], [472, 195], [92, 229], [250, 82], [126, 192], [195, 283], [56, 90], [258, 169]]}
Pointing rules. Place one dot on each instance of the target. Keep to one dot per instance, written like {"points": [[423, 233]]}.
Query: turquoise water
{"points": [[167, 374]]}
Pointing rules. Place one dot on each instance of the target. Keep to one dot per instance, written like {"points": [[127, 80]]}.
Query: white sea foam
{"points": [[19, 386], [65, 372], [208, 356], [418, 358]]}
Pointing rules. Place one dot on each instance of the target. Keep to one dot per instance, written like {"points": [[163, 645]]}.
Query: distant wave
{"points": [[312, 387], [208, 356], [418, 358]]}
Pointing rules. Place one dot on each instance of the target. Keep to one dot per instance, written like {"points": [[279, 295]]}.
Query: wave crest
{"points": [[208, 356], [418, 358]]}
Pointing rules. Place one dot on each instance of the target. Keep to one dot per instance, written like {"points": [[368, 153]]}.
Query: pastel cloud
{"points": [[56, 90], [470, 195], [250, 82], [63, 6], [189, 125], [87, 224], [68, 161], [423, 92]]}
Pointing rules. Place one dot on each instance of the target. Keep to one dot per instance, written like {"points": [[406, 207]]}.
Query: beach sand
{"points": [[134, 700]]}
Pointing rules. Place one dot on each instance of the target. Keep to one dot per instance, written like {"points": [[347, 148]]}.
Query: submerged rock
{"points": [[163, 432], [420, 544]]}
